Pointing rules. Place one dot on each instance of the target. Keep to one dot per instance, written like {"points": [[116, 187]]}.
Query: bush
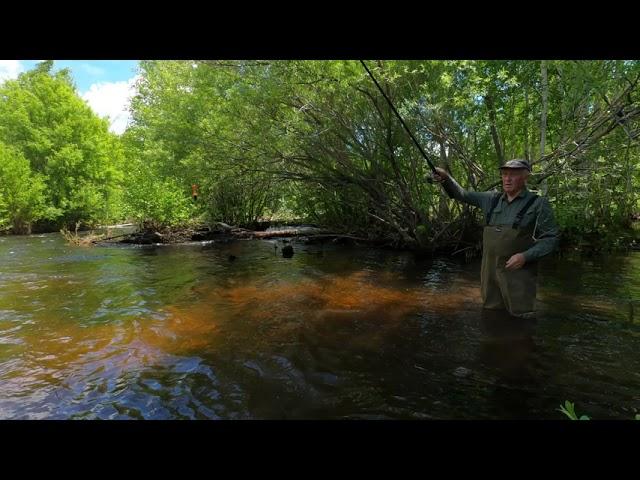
{"points": [[22, 193]]}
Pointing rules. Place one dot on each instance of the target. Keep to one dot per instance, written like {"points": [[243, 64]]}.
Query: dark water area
{"points": [[236, 331]]}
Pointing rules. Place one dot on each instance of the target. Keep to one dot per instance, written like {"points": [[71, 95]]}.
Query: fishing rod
{"points": [[426, 157]]}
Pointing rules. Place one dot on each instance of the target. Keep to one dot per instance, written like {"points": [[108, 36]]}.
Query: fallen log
{"points": [[226, 232], [242, 233], [297, 233], [109, 238]]}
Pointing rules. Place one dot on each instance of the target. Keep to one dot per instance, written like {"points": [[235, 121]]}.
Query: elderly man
{"points": [[520, 229]]}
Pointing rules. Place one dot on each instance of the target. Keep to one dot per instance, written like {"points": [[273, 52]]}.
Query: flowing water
{"points": [[236, 331]]}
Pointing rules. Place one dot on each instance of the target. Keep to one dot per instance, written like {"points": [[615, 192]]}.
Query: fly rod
{"points": [[426, 157]]}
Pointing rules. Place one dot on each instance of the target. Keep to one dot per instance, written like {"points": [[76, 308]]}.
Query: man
{"points": [[520, 229]]}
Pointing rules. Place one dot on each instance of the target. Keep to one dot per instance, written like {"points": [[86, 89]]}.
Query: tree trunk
{"points": [[543, 116], [443, 207], [494, 128], [527, 154]]}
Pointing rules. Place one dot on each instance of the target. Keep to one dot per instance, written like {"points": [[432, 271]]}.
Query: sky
{"points": [[106, 85]]}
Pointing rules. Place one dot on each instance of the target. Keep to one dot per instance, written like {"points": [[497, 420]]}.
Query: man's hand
{"points": [[441, 176], [515, 262]]}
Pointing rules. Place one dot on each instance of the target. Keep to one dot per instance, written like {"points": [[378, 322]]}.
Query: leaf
{"points": [[568, 410]]}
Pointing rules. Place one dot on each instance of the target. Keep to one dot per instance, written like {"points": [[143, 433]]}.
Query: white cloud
{"points": [[10, 69], [111, 99]]}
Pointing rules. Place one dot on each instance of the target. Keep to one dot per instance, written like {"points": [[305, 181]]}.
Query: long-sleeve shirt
{"points": [[538, 217]]}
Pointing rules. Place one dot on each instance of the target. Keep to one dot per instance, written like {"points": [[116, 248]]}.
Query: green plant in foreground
{"points": [[569, 410]]}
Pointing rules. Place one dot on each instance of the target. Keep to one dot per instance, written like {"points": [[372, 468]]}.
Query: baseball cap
{"points": [[516, 164]]}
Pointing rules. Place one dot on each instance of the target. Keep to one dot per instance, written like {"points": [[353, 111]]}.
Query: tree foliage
{"points": [[66, 145], [316, 140], [319, 139]]}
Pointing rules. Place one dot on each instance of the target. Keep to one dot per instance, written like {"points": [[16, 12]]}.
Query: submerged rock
{"points": [[462, 372]]}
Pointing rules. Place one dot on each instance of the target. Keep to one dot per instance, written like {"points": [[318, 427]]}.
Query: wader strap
{"points": [[516, 222], [494, 203]]}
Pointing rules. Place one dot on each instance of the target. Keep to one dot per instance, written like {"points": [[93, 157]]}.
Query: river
{"points": [[236, 331]]}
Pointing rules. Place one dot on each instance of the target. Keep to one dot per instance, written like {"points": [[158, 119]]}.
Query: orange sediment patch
{"points": [[184, 328], [361, 309], [57, 349], [360, 291]]}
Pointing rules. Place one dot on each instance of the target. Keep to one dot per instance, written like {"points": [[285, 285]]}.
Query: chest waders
{"points": [[502, 289]]}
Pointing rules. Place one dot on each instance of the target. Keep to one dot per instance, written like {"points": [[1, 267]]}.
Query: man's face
{"points": [[513, 179]]}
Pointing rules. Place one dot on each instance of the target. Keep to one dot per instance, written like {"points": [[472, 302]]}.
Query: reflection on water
{"points": [[334, 332]]}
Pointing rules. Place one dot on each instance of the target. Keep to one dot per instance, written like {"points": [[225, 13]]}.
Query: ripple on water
{"points": [[185, 333]]}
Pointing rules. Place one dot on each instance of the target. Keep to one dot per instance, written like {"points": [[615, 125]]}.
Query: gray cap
{"points": [[517, 164]]}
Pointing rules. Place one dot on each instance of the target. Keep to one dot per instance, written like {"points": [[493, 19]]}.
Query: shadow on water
{"points": [[508, 350]]}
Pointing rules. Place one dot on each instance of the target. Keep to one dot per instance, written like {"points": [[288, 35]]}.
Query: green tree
{"points": [[79, 160], [22, 193], [150, 195], [317, 138]]}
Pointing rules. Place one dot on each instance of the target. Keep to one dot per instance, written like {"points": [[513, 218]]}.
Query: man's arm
{"points": [[546, 233], [477, 199]]}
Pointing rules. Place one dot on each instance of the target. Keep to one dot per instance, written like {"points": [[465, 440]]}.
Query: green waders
{"points": [[502, 289]]}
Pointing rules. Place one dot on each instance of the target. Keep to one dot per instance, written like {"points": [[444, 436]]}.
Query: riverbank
{"points": [[299, 232], [223, 233], [311, 234]]}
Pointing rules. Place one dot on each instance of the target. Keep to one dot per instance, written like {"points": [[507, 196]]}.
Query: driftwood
{"points": [[344, 237], [242, 233], [110, 238], [223, 232]]}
